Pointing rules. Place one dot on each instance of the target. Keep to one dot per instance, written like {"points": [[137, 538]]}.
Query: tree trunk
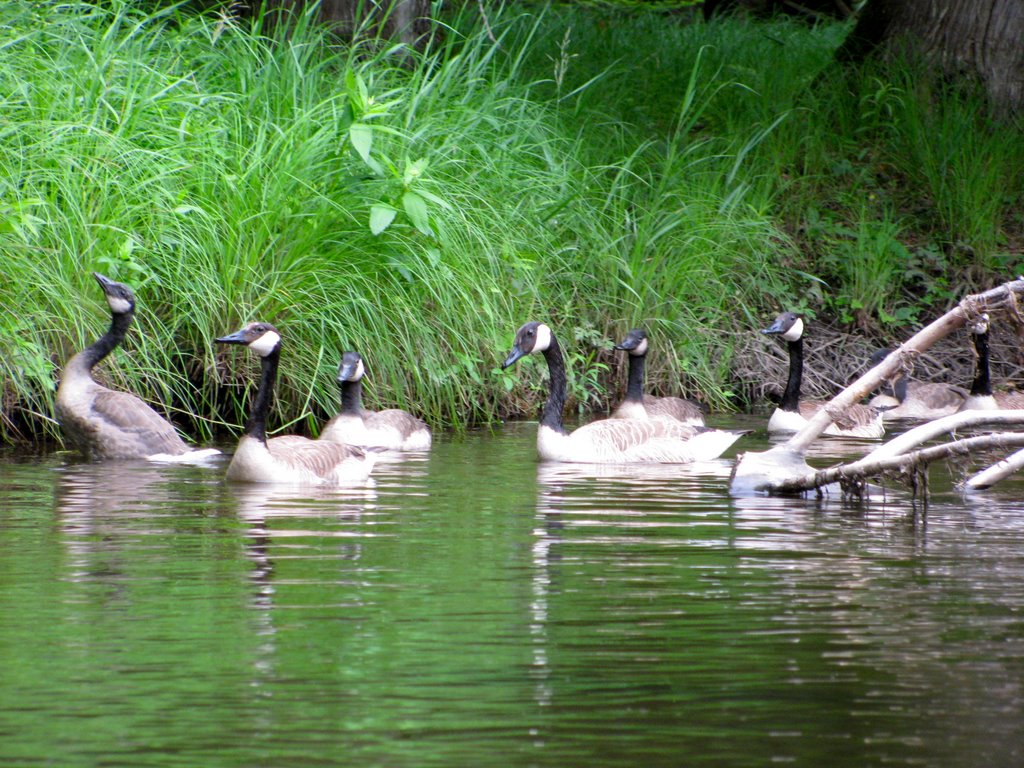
{"points": [[404, 20], [980, 38]]}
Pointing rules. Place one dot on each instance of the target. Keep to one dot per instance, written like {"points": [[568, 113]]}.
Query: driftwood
{"points": [[902, 454], [998, 471], [782, 469]]}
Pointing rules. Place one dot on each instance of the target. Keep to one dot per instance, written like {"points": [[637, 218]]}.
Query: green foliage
{"points": [[597, 169], [869, 262]]}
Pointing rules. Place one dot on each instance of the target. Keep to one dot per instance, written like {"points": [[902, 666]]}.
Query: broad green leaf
{"points": [[361, 136], [416, 208], [381, 217], [430, 196]]}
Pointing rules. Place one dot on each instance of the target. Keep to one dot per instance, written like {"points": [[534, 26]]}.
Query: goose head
{"points": [[119, 296], [635, 343], [980, 325], [788, 325], [261, 338], [351, 368], [530, 338]]}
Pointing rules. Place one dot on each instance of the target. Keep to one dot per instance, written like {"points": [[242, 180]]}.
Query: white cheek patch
{"points": [[265, 344], [795, 331], [543, 338], [118, 305], [359, 372], [641, 349]]}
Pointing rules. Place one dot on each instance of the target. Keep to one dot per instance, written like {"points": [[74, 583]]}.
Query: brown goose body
{"points": [[638, 405], [289, 459], [391, 429], [107, 424]]}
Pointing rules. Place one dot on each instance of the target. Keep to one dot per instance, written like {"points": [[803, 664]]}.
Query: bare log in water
{"points": [[998, 471], [773, 470], [855, 474]]}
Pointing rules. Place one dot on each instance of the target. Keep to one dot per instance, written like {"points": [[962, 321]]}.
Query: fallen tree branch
{"points": [[998, 471], [854, 475], [932, 429], [768, 471]]}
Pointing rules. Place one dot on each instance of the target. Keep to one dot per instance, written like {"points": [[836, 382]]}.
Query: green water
{"points": [[476, 608]]}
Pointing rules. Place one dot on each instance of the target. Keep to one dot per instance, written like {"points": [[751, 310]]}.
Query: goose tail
{"points": [[712, 443], [200, 456]]}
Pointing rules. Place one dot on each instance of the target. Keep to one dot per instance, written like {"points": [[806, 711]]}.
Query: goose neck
{"points": [[982, 384], [351, 396], [256, 426], [899, 388], [555, 405], [635, 384], [791, 397], [109, 341]]}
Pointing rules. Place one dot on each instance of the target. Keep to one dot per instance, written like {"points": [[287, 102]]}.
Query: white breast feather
{"points": [[980, 403], [785, 422]]}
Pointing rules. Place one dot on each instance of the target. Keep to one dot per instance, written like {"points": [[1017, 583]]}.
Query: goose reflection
{"points": [[100, 505], [254, 502], [108, 513]]}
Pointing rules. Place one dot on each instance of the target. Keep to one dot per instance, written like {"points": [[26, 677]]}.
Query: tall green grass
{"points": [[419, 206]]}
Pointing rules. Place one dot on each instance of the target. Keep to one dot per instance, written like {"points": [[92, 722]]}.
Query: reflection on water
{"points": [[472, 606]]}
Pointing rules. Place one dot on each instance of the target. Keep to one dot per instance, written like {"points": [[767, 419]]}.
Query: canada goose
{"points": [[103, 423], [982, 397], [289, 458], [637, 405], [903, 398], [791, 415], [393, 429], [609, 441]]}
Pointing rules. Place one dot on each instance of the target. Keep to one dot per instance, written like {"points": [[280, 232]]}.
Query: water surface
{"points": [[474, 607]]}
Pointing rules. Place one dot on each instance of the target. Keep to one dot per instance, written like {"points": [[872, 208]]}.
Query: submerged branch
{"points": [[857, 472], [998, 471]]}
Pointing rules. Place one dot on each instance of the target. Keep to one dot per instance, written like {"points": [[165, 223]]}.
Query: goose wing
{"points": [[1010, 401], [674, 408], [936, 396], [318, 457], [128, 425], [394, 419], [654, 440], [856, 421], [924, 400]]}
